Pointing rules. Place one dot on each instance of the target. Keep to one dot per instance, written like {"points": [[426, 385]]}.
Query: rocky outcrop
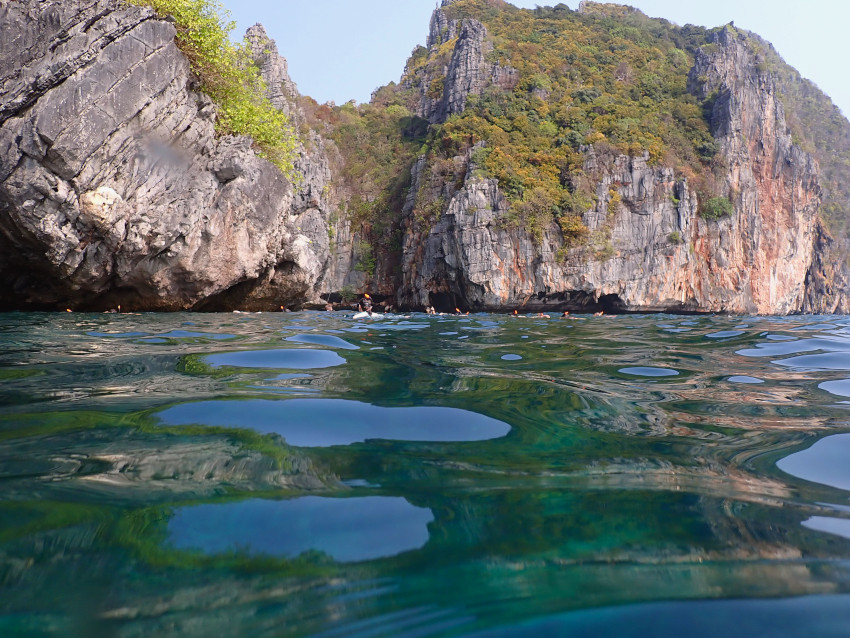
{"points": [[114, 187], [649, 249], [828, 280], [472, 259], [317, 197], [280, 89], [445, 87]]}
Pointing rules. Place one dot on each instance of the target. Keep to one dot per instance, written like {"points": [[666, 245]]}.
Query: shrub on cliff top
{"points": [[229, 76]]}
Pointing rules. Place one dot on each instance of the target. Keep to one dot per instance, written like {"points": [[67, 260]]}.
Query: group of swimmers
{"points": [[365, 305]]}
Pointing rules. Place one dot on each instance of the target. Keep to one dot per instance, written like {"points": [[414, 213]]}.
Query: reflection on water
{"points": [[825, 462], [837, 526], [796, 346], [825, 617], [346, 529], [324, 422], [840, 387], [329, 341], [647, 371], [293, 359], [828, 361], [744, 379], [306, 474], [725, 334]]}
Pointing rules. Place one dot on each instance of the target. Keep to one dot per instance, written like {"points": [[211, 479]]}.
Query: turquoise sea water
{"points": [[306, 474]]}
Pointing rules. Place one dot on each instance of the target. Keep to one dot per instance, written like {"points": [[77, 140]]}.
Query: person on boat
{"points": [[365, 304]]}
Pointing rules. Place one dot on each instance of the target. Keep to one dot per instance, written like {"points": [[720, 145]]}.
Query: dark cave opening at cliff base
{"points": [[443, 301], [611, 305], [577, 301]]}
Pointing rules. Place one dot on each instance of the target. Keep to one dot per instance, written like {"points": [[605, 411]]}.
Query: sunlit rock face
{"points": [[653, 251], [113, 185], [764, 252]]}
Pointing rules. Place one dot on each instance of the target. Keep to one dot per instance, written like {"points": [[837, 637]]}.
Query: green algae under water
{"points": [[306, 474]]}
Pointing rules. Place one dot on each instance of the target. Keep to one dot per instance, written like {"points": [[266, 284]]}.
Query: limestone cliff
{"points": [[775, 183], [115, 189], [649, 247], [318, 195]]}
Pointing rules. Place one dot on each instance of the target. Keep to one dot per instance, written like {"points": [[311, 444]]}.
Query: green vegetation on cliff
{"points": [[556, 82], [228, 75], [379, 143], [716, 208], [608, 76]]}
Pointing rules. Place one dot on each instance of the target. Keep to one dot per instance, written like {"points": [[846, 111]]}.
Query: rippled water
{"points": [[307, 474]]}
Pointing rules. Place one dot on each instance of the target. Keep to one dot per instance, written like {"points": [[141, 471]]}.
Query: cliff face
{"points": [[114, 187], [470, 258], [314, 199], [774, 183], [649, 249], [317, 195]]}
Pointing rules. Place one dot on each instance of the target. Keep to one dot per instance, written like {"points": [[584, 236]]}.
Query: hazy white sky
{"points": [[344, 49]]}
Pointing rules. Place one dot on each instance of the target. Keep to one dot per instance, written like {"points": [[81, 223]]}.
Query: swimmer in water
{"points": [[365, 304]]}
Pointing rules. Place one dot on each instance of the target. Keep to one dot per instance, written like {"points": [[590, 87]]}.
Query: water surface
{"points": [[325, 422], [345, 529], [306, 474]]}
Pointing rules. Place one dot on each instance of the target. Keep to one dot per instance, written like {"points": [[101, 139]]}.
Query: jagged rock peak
{"points": [[467, 72], [748, 121], [441, 29], [280, 88], [661, 253]]}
